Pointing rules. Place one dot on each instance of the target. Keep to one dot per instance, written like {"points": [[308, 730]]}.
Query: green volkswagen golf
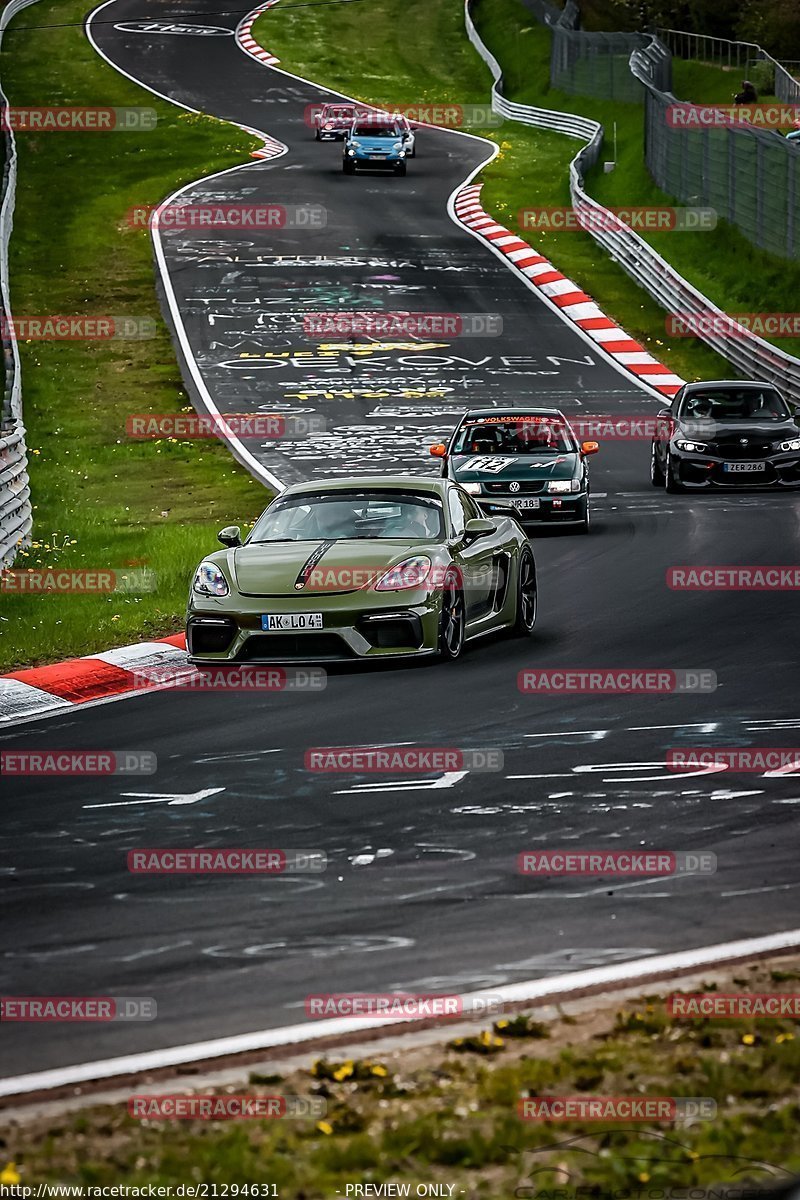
{"points": [[362, 568], [525, 461]]}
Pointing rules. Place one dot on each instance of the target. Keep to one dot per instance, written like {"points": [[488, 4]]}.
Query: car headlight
{"points": [[410, 573], [401, 154], [691, 447], [792, 444], [560, 486], [474, 489], [209, 581], [356, 145], [397, 146], [351, 153]]}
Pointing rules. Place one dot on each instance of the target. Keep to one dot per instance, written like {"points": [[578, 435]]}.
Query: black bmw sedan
{"points": [[726, 434]]}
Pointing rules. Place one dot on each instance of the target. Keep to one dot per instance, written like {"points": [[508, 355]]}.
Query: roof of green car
{"points": [[433, 485]]}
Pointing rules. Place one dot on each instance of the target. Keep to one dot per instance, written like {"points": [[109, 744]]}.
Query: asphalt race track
{"points": [[422, 891]]}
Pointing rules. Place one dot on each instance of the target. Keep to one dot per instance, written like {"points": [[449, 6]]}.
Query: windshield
{"points": [[339, 112], [376, 131], [514, 435], [735, 404], [356, 514]]}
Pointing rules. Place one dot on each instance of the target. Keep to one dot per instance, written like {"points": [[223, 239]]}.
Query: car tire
{"points": [[348, 167], [452, 619], [318, 136], [670, 482], [656, 470], [586, 521], [527, 595], [413, 153], [400, 169]]}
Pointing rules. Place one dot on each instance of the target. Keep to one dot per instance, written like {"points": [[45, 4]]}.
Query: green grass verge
{"points": [[721, 263], [383, 66], [448, 1114], [102, 501]]}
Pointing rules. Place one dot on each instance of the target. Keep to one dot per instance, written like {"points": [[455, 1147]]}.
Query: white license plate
{"points": [[280, 622], [528, 502], [381, 156], [744, 466]]}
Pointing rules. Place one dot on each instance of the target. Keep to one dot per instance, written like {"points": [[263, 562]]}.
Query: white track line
{"points": [[239, 450], [613, 977]]}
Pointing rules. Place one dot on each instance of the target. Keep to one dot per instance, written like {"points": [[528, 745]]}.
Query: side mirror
{"points": [[479, 527], [439, 450], [231, 535], [589, 448]]}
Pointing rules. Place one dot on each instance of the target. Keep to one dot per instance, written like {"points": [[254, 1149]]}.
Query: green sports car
{"points": [[362, 568]]}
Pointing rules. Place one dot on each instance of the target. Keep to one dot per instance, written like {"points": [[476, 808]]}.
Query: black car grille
{"points": [[734, 452], [403, 631], [525, 487], [273, 646], [211, 638]]}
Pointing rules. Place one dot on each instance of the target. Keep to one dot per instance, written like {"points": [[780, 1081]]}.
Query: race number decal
{"points": [[494, 463]]}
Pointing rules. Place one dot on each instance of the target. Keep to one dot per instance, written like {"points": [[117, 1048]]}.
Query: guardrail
{"points": [[16, 516], [747, 352]]}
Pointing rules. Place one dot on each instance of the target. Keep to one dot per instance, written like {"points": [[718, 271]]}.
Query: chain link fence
{"points": [[749, 354], [595, 64], [745, 56], [750, 176], [16, 516]]}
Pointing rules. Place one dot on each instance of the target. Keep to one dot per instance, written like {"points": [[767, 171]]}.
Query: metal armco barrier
{"points": [[749, 354], [16, 516]]}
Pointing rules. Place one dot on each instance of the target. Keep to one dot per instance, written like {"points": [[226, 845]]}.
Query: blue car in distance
{"points": [[375, 144]]}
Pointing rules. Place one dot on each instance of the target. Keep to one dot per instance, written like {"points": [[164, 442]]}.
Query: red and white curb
{"points": [[244, 36], [573, 302], [272, 148], [108, 675]]}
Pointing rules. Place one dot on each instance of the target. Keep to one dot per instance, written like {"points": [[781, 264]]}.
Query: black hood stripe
{"points": [[311, 562]]}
